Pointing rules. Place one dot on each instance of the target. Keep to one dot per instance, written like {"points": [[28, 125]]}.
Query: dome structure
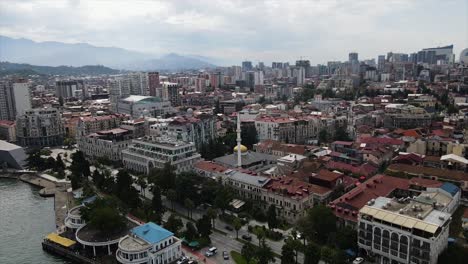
{"points": [[464, 57], [243, 149]]}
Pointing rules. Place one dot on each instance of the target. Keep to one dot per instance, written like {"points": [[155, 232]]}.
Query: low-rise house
{"points": [[149, 243]]}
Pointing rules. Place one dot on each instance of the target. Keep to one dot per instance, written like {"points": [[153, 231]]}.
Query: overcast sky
{"points": [[319, 30]]}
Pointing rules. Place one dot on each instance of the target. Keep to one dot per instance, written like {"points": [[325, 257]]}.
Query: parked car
{"points": [[358, 260], [225, 255], [229, 228], [247, 237], [183, 260], [211, 251]]}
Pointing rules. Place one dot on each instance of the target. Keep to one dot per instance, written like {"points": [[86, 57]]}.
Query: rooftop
{"points": [[295, 188], [255, 180], [151, 233], [380, 185], [429, 171]]}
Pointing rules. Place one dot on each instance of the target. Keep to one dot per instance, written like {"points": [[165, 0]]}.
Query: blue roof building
{"points": [[149, 243]]}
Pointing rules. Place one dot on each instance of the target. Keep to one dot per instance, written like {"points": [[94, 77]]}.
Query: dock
{"points": [[66, 253]]}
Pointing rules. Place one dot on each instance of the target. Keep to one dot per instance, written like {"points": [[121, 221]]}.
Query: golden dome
{"points": [[242, 148]]}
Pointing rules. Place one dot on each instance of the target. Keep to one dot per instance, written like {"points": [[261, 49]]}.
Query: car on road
{"points": [[183, 260], [358, 260], [225, 255], [229, 228], [211, 252], [247, 237]]}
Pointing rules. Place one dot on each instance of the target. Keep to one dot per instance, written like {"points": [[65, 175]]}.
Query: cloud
{"points": [[271, 30]]}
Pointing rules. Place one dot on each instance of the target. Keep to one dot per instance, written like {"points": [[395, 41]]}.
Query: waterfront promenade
{"points": [[50, 186]]}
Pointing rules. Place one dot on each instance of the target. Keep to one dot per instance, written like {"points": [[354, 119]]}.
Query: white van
{"points": [[211, 251]]}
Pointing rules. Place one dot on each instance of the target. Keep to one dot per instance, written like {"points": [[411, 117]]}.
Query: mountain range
{"points": [[7, 68], [51, 53]]}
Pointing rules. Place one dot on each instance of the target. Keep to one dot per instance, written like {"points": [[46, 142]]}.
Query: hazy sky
{"points": [[319, 30]]}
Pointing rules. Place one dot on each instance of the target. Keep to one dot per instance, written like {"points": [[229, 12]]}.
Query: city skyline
{"points": [[230, 32]]}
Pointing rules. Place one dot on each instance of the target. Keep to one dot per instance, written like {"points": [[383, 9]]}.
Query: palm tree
{"points": [[212, 214], [142, 183], [237, 226], [171, 196], [189, 205]]}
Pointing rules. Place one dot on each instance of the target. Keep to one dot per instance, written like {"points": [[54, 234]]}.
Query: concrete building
{"points": [[8, 130], [106, 144], [170, 92], [200, 129], [143, 106], [12, 156], [149, 243], [92, 124], [40, 127], [407, 230], [153, 83], [406, 116], [70, 89], [14, 98], [144, 154]]}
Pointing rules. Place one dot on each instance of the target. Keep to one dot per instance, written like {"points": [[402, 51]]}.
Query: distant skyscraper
{"points": [[380, 62], [306, 65], [247, 66], [216, 80], [153, 82], [171, 93], [69, 89], [353, 57], [261, 65]]}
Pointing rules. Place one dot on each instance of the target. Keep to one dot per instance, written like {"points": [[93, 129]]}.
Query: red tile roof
{"points": [[381, 140], [294, 187], [7, 123], [350, 203], [429, 171], [326, 175], [209, 166], [364, 169]]}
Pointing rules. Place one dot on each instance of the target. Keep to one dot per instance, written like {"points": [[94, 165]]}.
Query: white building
{"points": [[139, 106], [22, 97], [105, 144], [149, 243], [40, 127], [146, 153], [407, 230], [14, 99]]}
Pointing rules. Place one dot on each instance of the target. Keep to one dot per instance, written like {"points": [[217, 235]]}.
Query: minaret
{"points": [[239, 139]]}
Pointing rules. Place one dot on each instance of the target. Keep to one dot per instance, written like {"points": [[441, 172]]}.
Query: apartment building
{"points": [[92, 124], [40, 127], [146, 153], [105, 144], [407, 229]]}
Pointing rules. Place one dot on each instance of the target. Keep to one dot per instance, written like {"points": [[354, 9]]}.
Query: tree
{"points": [[237, 226], [271, 217], [167, 177], [174, 224], [341, 134], [156, 202], [287, 254], [189, 205], [98, 179], [346, 238], [190, 231], [171, 196], [212, 214], [261, 234], [141, 181], [79, 169], [264, 254], [331, 255], [59, 164], [104, 215], [34, 160], [323, 136], [248, 251], [318, 223], [124, 189], [311, 253], [204, 226], [50, 163], [223, 198]]}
